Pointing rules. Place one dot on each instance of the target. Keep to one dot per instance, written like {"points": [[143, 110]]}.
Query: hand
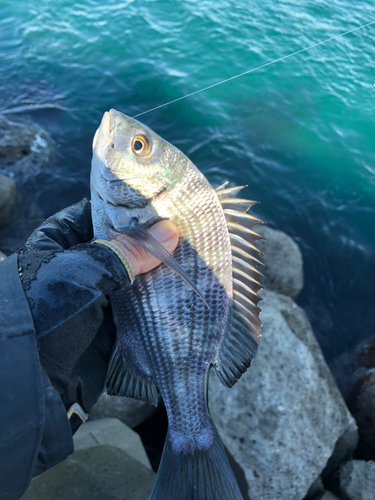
{"points": [[142, 260], [62, 274], [67, 282]]}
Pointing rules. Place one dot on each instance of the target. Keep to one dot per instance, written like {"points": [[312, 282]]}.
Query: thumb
{"points": [[142, 260]]}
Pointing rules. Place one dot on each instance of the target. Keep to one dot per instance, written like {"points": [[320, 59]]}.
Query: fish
{"points": [[195, 313]]}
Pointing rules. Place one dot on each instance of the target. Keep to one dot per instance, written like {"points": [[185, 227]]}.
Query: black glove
{"points": [[66, 281]]}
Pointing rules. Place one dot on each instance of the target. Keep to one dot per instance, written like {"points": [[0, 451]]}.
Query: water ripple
{"points": [[299, 132]]}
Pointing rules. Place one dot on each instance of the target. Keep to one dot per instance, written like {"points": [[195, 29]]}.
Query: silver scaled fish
{"points": [[195, 311]]}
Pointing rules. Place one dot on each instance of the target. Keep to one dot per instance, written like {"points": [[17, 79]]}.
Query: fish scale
{"points": [[193, 312], [195, 323]]}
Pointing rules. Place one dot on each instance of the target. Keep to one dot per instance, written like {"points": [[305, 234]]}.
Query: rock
{"points": [[101, 473], [113, 432], [316, 490], [361, 403], [130, 411], [356, 480], [350, 366], [283, 260], [8, 193], [25, 148], [328, 495], [344, 448], [2, 256], [283, 419]]}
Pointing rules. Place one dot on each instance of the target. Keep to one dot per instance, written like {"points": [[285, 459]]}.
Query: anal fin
{"points": [[122, 381]]}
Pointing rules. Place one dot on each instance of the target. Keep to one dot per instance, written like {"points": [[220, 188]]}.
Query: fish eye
{"points": [[141, 145]]}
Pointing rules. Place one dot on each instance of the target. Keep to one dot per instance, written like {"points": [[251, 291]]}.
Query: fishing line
{"points": [[255, 69]]}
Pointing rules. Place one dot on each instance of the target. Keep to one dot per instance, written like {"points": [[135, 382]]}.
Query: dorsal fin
{"points": [[241, 339]]}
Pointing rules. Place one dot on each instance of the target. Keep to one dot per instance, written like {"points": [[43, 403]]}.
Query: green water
{"points": [[300, 133]]}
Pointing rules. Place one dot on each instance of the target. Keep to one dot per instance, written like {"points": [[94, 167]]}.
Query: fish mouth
{"points": [[115, 118], [103, 135]]}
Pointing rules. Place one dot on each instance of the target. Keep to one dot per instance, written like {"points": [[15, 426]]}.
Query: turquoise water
{"points": [[300, 133]]}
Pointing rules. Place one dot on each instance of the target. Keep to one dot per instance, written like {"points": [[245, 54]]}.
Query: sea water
{"points": [[300, 133]]}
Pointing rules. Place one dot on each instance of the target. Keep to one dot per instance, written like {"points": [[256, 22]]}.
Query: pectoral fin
{"points": [[148, 242]]}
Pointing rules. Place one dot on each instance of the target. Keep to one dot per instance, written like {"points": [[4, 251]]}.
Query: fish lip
{"points": [[113, 121], [103, 134]]}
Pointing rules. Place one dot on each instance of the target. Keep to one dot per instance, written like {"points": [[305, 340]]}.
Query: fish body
{"points": [[168, 338]]}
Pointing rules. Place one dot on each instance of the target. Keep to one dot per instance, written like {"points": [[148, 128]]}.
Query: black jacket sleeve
{"points": [[31, 410]]}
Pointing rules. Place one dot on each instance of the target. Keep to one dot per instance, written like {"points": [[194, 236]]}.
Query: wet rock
{"points": [[25, 148], [113, 432], [130, 411], [356, 480], [349, 367], [8, 192], [102, 473], [283, 419], [283, 260], [361, 403]]}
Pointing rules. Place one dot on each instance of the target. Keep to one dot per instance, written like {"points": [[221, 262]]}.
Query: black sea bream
{"points": [[170, 332]]}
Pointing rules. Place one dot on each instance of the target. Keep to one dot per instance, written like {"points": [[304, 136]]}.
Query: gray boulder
{"points": [[328, 495], [283, 260], [356, 480], [316, 490], [113, 432], [101, 473], [362, 405], [284, 418], [25, 148], [8, 194], [130, 411]]}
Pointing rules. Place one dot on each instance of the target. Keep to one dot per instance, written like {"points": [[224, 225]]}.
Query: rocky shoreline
{"points": [[285, 424]]}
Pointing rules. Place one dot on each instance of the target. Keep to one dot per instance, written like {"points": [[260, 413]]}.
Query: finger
{"points": [[142, 260]]}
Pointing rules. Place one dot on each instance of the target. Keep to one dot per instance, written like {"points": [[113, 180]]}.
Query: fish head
{"points": [[131, 164]]}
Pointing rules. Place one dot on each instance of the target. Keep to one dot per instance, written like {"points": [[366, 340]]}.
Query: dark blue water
{"points": [[300, 133]]}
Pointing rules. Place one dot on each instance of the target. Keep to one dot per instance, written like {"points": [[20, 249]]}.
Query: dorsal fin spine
{"points": [[239, 204], [241, 341], [247, 256], [245, 266], [244, 243], [236, 228], [229, 192], [222, 186], [242, 218]]}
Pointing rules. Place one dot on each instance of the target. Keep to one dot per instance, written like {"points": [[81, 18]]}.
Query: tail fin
{"points": [[204, 475]]}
